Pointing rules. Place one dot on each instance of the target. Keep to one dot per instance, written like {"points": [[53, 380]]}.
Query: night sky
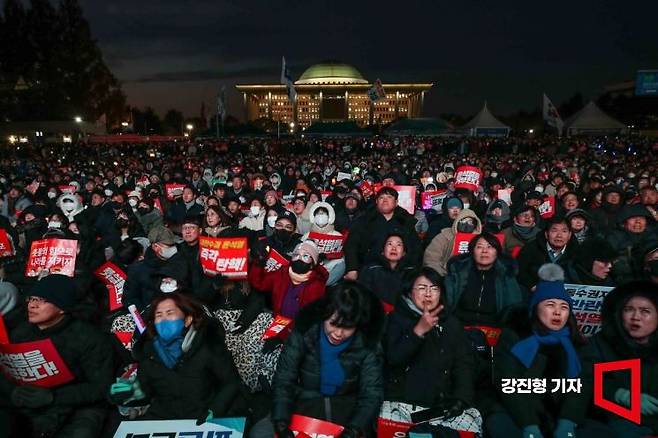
{"points": [[177, 53]]}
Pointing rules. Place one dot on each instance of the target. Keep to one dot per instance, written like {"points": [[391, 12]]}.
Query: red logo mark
{"points": [[632, 414]]}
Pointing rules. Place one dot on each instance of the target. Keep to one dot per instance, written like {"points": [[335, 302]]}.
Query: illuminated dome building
{"points": [[333, 92]]}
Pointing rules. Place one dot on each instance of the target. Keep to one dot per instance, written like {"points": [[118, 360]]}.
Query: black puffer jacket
{"points": [[297, 380], [384, 282], [204, 377], [534, 254], [425, 371]]}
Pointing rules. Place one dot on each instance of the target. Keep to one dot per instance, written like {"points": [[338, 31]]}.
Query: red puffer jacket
{"points": [[278, 282]]}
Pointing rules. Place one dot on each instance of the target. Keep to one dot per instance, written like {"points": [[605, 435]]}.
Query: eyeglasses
{"points": [[306, 258], [425, 288], [36, 300]]}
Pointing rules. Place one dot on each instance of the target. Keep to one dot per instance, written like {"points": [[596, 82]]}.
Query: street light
{"points": [[189, 126], [77, 119], [124, 124]]}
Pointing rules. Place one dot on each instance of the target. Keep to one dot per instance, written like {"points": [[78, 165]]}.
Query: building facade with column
{"points": [[332, 92]]}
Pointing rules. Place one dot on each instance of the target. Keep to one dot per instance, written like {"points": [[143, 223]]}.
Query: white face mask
{"points": [[132, 202], [271, 220], [169, 252], [107, 192], [494, 174], [52, 195], [466, 205], [539, 189], [169, 286], [54, 224], [254, 210], [321, 220]]}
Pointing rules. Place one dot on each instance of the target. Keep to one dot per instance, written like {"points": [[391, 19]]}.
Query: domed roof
{"points": [[331, 72]]}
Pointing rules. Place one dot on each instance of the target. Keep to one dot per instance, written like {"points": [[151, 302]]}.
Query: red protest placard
{"points": [[4, 337], [314, 427], [407, 198], [55, 255], [460, 245], [279, 327], [433, 199], [392, 429], [126, 338], [468, 177], [325, 194], [329, 244], [226, 256], [6, 245], [275, 261], [35, 363], [67, 189], [491, 333], [172, 189], [366, 188], [113, 278], [547, 208]]}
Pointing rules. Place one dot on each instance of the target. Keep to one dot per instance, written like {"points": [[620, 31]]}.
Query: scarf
{"points": [[299, 278], [526, 349], [171, 351], [332, 374], [526, 233]]}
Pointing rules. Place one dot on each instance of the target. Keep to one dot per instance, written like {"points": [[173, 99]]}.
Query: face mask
{"points": [[168, 252], [321, 220], [283, 235], [271, 220], [299, 267], [52, 195], [54, 224], [254, 210], [494, 174], [132, 202], [168, 287], [467, 205], [122, 223], [465, 227], [108, 192], [169, 330]]}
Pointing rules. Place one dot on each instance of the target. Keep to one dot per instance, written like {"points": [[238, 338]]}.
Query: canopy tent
{"points": [[425, 127], [485, 124], [592, 120]]}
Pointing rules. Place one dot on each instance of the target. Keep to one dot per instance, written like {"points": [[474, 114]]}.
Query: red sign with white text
{"points": [[547, 208], [275, 261], [279, 327], [314, 427], [224, 255], [55, 255], [173, 189], [114, 279], [34, 363], [6, 246], [328, 244], [468, 177]]}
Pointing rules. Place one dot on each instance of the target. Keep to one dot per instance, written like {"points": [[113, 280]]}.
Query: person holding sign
{"points": [[542, 342], [440, 249], [185, 370], [322, 217], [429, 362], [82, 358], [330, 368], [629, 331]]}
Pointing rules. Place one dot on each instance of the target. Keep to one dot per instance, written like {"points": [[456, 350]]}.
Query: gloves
{"points": [[350, 432], [31, 397], [565, 429], [120, 392], [205, 418], [623, 397], [532, 431], [649, 404], [457, 408], [270, 345], [282, 431]]}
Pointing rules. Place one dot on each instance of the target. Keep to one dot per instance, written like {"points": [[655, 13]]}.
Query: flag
{"points": [[221, 103], [286, 79], [377, 91], [551, 116]]}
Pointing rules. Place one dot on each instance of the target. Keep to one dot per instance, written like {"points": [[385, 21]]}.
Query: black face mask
{"points": [[283, 235], [299, 267], [465, 227], [122, 223], [144, 210]]}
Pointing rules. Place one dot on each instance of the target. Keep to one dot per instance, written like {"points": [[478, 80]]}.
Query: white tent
{"points": [[485, 124], [592, 120]]}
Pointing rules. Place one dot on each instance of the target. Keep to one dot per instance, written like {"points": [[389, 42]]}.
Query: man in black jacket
{"points": [[367, 235]]}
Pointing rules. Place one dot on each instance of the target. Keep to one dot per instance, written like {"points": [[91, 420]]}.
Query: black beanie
{"points": [[57, 289]]}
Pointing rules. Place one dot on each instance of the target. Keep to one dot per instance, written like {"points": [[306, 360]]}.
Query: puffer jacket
{"points": [[439, 251], [296, 384], [335, 267]]}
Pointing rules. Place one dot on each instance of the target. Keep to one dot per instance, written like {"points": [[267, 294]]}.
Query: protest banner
{"points": [[460, 245], [126, 338], [329, 244], [35, 363], [114, 279], [6, 245], [57, 256], [325, 194], [547, 207], [69, 190], [314, 427], [433, 199], [366, 188], [586, 307], [468, 177], [343, 175], [279, 327], [407, 198], [224, 255], [215, 428], [173, 190], [275, 261], [395, 421], [505, 195]]}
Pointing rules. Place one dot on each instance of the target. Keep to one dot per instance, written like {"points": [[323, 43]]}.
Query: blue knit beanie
{"points": [[550, 285]]}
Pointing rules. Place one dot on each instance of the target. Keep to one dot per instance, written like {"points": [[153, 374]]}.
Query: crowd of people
{"points": [[397, 315]]}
